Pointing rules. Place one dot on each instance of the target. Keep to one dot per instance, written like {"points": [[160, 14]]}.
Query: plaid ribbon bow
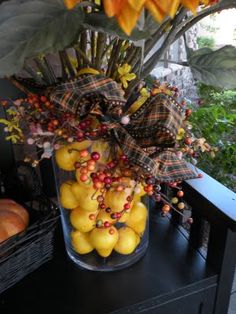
{"points": [[154, 125]]}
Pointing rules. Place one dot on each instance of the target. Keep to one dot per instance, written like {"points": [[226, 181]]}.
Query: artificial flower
{"points": [[180, 135], [125, 75], [202, 145], [144, 95], [127, 12]]}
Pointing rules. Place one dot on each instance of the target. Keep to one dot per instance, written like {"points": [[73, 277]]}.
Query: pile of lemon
{"points": [[122, 234]]}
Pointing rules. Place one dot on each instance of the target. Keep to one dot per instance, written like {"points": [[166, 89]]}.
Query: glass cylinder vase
{"points": [[105, 224]]}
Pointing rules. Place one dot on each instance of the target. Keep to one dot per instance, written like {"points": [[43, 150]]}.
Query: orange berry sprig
{"points": [[169, 205]]}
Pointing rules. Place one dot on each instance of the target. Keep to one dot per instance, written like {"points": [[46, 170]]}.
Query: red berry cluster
{"points": [[85, 130], [88, 165], [39, 102]]}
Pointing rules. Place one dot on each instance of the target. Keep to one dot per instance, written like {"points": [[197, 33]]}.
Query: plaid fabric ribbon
{"points": [[155, 124]]}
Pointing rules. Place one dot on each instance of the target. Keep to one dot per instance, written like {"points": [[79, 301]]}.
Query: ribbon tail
{"points": [[165, 167], [135, 153]]}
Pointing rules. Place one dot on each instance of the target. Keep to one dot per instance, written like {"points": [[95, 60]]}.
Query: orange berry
{"points": [[181, 205], [98, 185], [84, 170], [119, 188], [83, 177], [84, 153], [180, 193], [166, 208], [91, 162], [91, 167], [174, 200]]}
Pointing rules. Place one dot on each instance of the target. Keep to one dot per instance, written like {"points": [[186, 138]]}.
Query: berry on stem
{"points": [[180, 193], [95, 156]]}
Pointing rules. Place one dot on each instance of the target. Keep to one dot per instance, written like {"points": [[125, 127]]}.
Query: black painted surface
{"points": [[169, 271], [212, 200]]}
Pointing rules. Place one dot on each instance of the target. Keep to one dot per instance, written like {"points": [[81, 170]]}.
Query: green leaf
{"points": [[29, 28], [100, 22], [216, 68]]}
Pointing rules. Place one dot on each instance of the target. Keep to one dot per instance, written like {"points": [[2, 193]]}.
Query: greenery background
{"points": [[215, 120]]}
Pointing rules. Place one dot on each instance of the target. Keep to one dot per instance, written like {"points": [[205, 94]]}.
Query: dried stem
{"points": [[43, 70], [68, 64], [93, 46], [83, 48], [101, 42], [186, 25], [50, 69], [130, 53], [83, 56], [151, 62], [108, 47], [78, 58], [150, 43], [116, 57], [110, 61], [63, 67], [18, 85], [34, 74]]}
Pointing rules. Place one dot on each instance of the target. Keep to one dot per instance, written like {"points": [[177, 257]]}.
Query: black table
{"points": [[170, 278]]}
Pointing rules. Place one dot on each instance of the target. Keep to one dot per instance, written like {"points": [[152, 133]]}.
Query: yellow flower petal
{"points": [[191, 5], [130, 76], [124, 69], [70, 4], [180, 134], [173, 7], [124, 82], [128, 18], [155, 10], [137, 5], [144, 92], [169, 7], [113, 7]]}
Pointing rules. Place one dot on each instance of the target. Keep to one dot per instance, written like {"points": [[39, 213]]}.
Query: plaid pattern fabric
{"points": [[156, 123], [81, 96], [171, 168]]}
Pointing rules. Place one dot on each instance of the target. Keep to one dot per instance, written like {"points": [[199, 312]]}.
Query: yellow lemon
{"points": [[127, 241], [82, 220], [67, 198], [104, 240], [103, 148], [138, 192], [115, 200], [86, 196], [104, 216], [66, 158], [137, 239], [81, 242], [138, 217], [125, 216], [81, 145]]}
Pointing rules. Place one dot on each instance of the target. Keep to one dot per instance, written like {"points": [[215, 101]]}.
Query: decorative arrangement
{"points": [[114, 140]]}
